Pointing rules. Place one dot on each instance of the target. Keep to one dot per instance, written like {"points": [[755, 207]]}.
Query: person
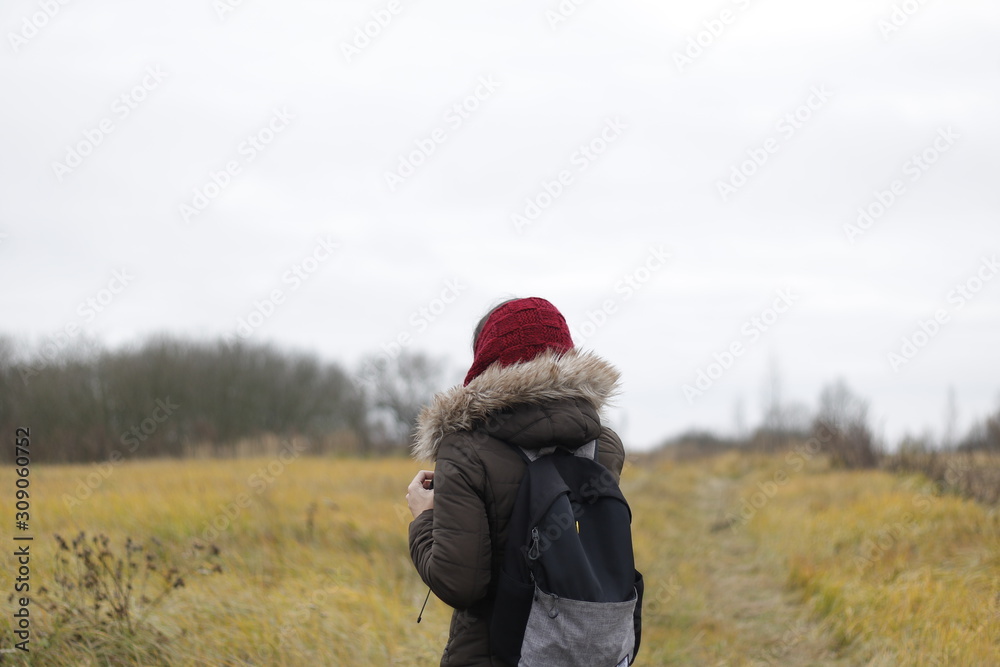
{"points": [[528, 387]]}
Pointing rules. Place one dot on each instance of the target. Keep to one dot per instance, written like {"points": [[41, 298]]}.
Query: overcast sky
{"points": [[677, 177]]}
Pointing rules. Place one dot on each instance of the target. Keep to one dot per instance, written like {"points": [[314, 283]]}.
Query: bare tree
{"points": [[783, 424], [984, 435], [400, 387], [949, 434], [739, 419], [842, 426], [771, 394]]}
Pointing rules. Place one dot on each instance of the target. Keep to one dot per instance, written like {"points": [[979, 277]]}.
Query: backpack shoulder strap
{"points": [[525, 454], [587, 451]]}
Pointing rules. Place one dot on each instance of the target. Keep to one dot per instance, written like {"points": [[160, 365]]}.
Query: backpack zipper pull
{"points": [[534, 551]]}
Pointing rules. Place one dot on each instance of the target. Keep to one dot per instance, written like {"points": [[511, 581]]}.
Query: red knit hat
{"points": [[519, 330]]}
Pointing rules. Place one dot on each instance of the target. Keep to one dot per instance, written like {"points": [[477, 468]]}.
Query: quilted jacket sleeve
{"points": [[611, 452], [450, 544]]}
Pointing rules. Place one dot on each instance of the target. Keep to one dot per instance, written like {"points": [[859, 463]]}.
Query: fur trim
{"points": [[548, 376]]}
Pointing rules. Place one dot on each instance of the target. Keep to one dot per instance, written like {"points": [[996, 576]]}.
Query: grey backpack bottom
{"points": [[560, 632]]}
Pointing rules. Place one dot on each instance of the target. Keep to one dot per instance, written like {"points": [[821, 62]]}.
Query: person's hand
{"points": [[419, 495]]}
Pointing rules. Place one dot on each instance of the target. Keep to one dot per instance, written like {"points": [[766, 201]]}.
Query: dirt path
{"points": [[745, 593]]}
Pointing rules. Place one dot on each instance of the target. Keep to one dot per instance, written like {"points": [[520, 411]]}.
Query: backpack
{"points": [[568, 593]]}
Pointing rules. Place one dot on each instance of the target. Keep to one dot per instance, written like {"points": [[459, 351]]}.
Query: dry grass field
{"points": [[748, 561]]}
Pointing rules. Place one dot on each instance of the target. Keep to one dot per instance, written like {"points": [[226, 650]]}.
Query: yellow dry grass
{"points": [[900, 572], [316, 569]]}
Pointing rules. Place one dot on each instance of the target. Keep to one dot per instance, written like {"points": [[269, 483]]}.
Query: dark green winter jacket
{"points": [[458, 546]]}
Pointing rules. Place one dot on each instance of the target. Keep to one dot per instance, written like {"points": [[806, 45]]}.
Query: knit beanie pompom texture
{"points": [[517, 331]]}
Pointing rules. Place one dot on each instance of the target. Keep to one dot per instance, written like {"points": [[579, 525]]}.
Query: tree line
{"points": [[840, 429], [175, 397], [171, 397]]}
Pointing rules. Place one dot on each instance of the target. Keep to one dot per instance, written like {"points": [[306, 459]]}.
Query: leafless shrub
{"points": [[98, 589]]}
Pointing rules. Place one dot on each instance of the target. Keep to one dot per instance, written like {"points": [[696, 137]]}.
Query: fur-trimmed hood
{"points": [[549, 376]]}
